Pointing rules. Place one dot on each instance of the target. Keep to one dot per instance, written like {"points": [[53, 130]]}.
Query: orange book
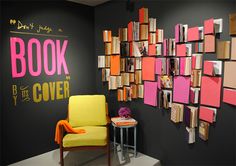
{"points": [[148, 68], [143, 15], [130, 31], [118, 121], [115, 65], [106, 36]]}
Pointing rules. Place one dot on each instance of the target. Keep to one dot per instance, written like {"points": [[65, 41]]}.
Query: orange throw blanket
{"points": [[67, 128]]}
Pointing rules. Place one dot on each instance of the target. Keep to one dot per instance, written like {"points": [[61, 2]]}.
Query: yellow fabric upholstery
{"points": [[87, 110], [94, 136]]}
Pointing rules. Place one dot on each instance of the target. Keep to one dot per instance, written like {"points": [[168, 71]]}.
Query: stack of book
{"points": [[118, 121]]}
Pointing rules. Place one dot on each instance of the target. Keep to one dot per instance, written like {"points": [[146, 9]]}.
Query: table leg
{"points": [[135, 142], [127, 138], [114, 129], [121, 143]]}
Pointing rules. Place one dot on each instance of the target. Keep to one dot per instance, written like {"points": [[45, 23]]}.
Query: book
{"points": [[115, 65], [143, 15], [140, 91], [211, 91], [209, 43], [138, 77], [169, 47], [194, 95], [199, 47], [213, 68], [232, 24], [112, 85], [160, 66], [183, 49], [207, 114], [190, 135], [193, 34], [133, 31], [120, 94], [177, 112], [233, 48], [127, 93], [119, 82], [122, 64], [196, 78], [143, 32], [125, 79], [150, 93], [118, 121], [229, 72], [223, 49], [185, 66], [181, 89], [101, 61], [148, 68], [115, 45], [138, 63], [124, 49], [190, 116], [229, 96], [181, 33], [165, 99], [212, 26], [106, 36], [172, 66], [134, 91], [152, 38], [166, 81], [107, 61], [123, 34], [197, 61], [107, 48], [129, 64], [131, 77], [203, 130], [138, 49], [159, 35], [152, 24]]}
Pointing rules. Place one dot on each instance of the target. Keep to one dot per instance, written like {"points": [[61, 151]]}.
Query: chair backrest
{"points": [[87, 110]]}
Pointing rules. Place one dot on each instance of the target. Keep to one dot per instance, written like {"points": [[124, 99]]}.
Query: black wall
{"points": [[157, 135], [29, 128]]}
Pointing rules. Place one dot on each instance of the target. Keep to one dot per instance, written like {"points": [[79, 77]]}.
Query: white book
{"points": [[101, 61], [218, 25]]}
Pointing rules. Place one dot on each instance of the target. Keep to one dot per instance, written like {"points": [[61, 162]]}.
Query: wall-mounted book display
{"points": [[170, 73]]}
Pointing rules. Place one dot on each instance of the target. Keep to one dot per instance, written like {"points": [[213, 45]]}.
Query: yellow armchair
{"points": [[88, 112]]}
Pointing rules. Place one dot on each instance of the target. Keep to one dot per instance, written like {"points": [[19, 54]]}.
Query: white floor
{"points": [[88, 158]]}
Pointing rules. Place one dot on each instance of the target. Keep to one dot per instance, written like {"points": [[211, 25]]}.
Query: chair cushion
{"points": [[94, 136], [87, 110]]}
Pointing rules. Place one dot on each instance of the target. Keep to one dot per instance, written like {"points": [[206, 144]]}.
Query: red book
{"points": [[143, 15], [209, 26], [193, 34], [130, 31], [152, 49]]}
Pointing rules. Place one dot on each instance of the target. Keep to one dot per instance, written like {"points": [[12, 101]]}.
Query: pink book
{"points": [[211, 91], [177, 33], [158, 66], [229, 96], [208, 68], [182, 66], [150, 93], [209, 26], [181, 50], [206, 114], [193, 34], [181, 89]]}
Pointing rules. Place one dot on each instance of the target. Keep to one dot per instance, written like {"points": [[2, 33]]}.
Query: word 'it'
{"points": [[20, 63]]}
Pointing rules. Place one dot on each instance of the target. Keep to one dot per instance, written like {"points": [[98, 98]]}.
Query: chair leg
{"points": [[61, 156], [108, 154]]}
